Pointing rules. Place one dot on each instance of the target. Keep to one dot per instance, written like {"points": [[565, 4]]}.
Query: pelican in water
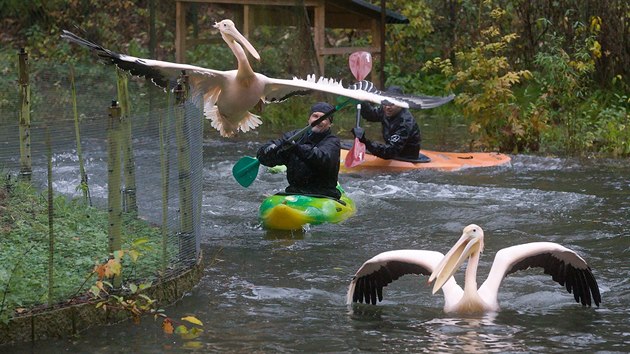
{"points": [[565, 267], [229, 95]]}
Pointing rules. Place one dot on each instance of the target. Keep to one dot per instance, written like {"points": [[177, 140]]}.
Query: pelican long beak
{"points": [[231, 31], [465, 246]]}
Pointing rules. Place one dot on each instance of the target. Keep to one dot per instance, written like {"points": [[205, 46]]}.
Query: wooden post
{"points": [[164, 171], [247, 21], [114, 183], [320, 37], [129, 192], [84, 178], [180, 32], [309, 64], [152, 48], [24, 116], [186, 235], [383, 24], [377, 41], [51, 229]]}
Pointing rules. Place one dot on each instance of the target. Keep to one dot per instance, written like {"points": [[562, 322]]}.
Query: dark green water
{"points": [[277, 292]]}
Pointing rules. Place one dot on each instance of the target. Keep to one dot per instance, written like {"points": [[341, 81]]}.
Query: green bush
{"points": [[81, 241]]}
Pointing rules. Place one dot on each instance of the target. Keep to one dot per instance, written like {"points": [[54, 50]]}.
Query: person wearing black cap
{"points": [[312, 161], [400, 130]]}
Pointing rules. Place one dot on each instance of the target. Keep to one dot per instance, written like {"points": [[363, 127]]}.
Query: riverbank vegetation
{"points": [[77, 249], [530, 77]]}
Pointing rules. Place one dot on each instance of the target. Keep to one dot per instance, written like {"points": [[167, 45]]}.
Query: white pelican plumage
{"points": [[229, 95], [565, 267]]}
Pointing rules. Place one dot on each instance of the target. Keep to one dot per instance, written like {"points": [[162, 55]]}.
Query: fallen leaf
{"points": [[192, 320], [167, 326], [193, 345], [192, 334], [181, 329]]}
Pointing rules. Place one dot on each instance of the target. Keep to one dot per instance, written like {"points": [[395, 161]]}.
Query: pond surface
{"points": [[266, 291]]}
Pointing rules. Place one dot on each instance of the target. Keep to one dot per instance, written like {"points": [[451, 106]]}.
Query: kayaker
{"points": [[312, 161], [400, 130]]}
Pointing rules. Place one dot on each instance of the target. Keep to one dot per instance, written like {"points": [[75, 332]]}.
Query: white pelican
{"points": [[229, 95], [565, 267]]}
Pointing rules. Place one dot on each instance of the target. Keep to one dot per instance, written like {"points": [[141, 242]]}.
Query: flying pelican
{"points": [[565, 267], [229, 95]]}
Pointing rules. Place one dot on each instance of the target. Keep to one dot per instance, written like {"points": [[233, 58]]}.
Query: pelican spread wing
{"points": [[162, 73], [229, 95], [382, 269], [412, 101], [278, 90], [564, 265]]}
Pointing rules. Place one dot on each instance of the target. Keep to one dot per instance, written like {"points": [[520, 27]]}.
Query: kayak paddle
{"points": [[360, 65], [356, 155], [246, 169]]}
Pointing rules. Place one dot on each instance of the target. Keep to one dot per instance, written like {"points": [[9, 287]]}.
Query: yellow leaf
{"points": [[474, 127], [134, 255], [95, 291], [192, 320], [140, 241], [181, 329], [99, 284], [113, 268], [192, 334], [526, 74], [193, 345]]}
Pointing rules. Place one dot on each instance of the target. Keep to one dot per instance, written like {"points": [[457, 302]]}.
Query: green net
{"points": [[158, 191]]}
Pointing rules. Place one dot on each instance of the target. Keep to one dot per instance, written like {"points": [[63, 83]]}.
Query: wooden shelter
{"points": [[320, 14]]}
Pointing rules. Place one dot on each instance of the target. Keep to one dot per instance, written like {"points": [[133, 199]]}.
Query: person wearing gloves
{"points": [[400, 131], [312, 161]]}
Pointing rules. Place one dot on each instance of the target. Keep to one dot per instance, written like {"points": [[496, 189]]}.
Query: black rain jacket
{"points": [[400, 133], [312, 164]]}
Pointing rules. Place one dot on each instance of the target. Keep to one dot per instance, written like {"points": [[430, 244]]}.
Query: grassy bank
{"points": [[80, 242]]}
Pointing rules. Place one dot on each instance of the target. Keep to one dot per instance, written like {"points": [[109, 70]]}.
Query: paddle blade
{"points": [[245, 170], [356, 155], [360, 64]]}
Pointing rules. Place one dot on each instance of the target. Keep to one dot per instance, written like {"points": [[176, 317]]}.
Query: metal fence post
{"points": [[186, 234], [129, 191], [24, 116], [114, 183], [85, 188], [51, 223]]}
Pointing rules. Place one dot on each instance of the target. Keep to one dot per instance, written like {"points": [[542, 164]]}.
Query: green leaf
{"points": [[119, 254]]}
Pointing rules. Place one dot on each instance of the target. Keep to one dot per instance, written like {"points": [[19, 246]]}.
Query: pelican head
{"points": [[469, 243], [230, 33]]}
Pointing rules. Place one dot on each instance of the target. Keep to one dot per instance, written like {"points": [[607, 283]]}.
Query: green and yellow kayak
{"points": [[283, 211]]}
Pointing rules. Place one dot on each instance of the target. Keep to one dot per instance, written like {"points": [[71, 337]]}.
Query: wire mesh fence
{"points": [[127, 167]]}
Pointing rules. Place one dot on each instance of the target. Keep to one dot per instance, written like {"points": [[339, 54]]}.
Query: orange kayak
{"points": [[445, 161]]}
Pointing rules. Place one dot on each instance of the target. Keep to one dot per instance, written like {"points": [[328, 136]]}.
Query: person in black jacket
{"points": [[400, 130], [312, 161]]}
